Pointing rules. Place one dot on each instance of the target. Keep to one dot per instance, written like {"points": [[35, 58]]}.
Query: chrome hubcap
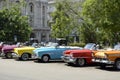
{"points": [[118, 64], [9, 55], [81, 62], [45, 58], [25, 56]]}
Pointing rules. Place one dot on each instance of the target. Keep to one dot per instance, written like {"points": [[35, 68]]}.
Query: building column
{"points": [[47, 36]]}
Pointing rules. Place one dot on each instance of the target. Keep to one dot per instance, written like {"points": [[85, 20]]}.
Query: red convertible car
{"points": [[80, 57]]}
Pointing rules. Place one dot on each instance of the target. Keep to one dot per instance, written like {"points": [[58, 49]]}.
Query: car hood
{"points": [[77, 51], [102, 54], [9, 47], [24, 48]]}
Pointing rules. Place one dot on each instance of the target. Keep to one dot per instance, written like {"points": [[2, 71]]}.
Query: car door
{"points": [[58, 53]]}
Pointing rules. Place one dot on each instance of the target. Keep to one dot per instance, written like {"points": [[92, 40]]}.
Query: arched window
{"points": [[31, 14], [31, 7]]}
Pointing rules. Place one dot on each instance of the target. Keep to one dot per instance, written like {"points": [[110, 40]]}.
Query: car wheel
{"points": [[102, 66], [117, 64], [8, 55], [25, 57], [80, 62], [45, 58], [70, 64]]}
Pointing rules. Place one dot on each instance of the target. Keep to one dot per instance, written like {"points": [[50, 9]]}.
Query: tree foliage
{"points": [[104, 14], [61, 21], [14, 24], [65, 18]]}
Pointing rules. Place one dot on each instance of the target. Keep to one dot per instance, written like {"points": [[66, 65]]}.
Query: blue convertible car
{"points": [[54, 52]]}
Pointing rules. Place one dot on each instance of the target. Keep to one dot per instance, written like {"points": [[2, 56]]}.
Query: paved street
{"points": [[30, 70]]}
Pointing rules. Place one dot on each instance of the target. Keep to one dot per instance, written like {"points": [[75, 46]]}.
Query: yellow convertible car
{"points": [[24, 53]]}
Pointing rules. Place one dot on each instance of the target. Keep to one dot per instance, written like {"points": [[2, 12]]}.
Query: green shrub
{"points": [[77, 44]]}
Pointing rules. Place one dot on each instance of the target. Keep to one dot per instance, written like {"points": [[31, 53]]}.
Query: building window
{"points": [[43, 9], [31, 14], [31, 7], [43, 18]]}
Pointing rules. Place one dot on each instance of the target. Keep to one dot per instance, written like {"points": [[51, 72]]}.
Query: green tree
{"points": [[89, 33], [66, 18], [61, 21], [14, 24], [103, 14]]}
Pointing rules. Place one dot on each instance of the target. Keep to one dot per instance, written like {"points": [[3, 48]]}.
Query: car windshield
{"points": [[89, 46], [117, 47], [50, 44]]}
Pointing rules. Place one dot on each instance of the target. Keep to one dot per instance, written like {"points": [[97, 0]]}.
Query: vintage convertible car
{"points": [[54, 52], [80, 57], [24, 53], [7, 50], [108, 57]]}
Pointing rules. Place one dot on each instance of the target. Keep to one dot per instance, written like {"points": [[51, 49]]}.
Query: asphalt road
{"points": [[11, 69]]}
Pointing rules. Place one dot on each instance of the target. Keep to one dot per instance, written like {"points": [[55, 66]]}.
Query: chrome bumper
{"points": [[34, 56], [104, 61], [68, 59], [2, 54], [14, 55]]}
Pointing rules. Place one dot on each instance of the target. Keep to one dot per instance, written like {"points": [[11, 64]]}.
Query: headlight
{"points": [[71, 54], [105, 55], [16, 51]]}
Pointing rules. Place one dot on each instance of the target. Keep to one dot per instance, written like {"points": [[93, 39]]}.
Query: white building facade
{"points": [[36, 10]]}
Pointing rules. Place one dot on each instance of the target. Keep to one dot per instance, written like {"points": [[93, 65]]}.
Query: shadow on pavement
{"points": [[51, 61], [73, 65], [108, 68]]}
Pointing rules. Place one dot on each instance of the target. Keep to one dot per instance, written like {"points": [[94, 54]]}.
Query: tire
{"points": [[8, 55], [102, 66], [25, 57], [117, 64], [38, 60], [80, 62], [70, 64], [45, 58]]}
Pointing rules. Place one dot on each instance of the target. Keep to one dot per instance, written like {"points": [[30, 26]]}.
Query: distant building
{"points": [[37, 12]]}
